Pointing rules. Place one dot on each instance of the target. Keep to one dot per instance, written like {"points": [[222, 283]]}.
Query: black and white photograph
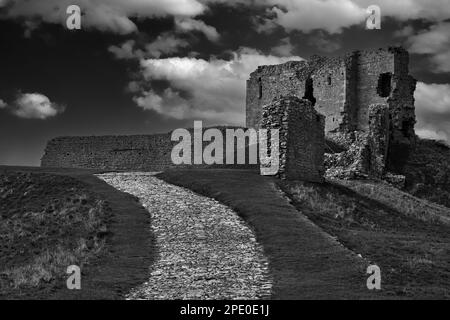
{"points": [[213, 156]]}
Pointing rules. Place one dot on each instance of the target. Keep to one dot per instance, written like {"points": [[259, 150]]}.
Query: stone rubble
{"points": [[205, 251]]}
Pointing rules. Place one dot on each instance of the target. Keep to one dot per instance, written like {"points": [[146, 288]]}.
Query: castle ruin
{"points": [[366, 99], [344, 89]]}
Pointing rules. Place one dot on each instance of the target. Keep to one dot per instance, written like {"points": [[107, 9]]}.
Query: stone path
{"points": [[205, 250]]}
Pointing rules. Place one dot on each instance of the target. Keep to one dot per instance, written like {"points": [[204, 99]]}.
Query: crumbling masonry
{"points": [[367, 98], [301, 136], [131, 153]]}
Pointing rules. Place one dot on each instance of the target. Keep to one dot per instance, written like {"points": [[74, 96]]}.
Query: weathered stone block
{"points": [[301, 135]]}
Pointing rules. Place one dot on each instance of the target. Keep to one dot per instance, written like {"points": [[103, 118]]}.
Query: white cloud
{"points": [[433, 97], [436, 10], [405, 32], [430, 41], [107, 18], [308, 15], [124, 51], [202, 89], [107, 15], [435, 42], [149, 100], [2, 104], [321, 42], [433, 134], [133, 86], [188, 24], [165, 43], [334, 15], [305, 15], [264, 25], [35, 106], [284, 49], [433, 110], [172, 105]]}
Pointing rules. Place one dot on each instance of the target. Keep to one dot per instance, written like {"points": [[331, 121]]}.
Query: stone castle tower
{"points": [[343, 89]]}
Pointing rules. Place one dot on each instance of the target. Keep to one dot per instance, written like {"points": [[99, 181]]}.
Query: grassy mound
{"points": [[47, 222], [408, 238], [428, 172]]}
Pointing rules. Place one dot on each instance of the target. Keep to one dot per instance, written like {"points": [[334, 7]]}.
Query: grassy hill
{"points": [[53, 218], [319, 238], [428, 172], [408, 238]]}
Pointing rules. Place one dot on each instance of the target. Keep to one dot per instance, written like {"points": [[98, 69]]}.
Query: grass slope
{"points": [[47, 223], [428, 172], [408, 238], [53, 215]]}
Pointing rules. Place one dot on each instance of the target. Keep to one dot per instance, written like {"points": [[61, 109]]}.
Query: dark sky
{"points": [[182, 65]]}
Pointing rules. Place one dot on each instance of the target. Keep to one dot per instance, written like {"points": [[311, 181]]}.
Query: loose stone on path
{"points": [[205, 250]]}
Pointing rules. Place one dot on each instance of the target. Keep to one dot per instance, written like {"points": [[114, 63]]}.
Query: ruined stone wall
{"points": [[137, 152], [274, 81], [269, 82], [378, 139], [343, 89], [302, 138], [133, 152], [383, 78], [402, 113], [403, 119], [370, 65], [350, 117], [330, 83]]}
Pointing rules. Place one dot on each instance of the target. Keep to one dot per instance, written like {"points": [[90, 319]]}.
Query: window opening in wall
{"points": [[384, 85], [259, 88], [329, 80], [309, 91], [405, 127]]}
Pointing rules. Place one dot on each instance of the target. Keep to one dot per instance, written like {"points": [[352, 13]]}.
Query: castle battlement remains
{"points": [[364, 101], [343, 89]]}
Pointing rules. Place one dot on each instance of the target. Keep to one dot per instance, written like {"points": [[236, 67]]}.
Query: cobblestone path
{"points": [[205, 250]]}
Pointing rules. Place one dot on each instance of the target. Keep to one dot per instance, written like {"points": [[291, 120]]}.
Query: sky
{"points": [[148, 66]]}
